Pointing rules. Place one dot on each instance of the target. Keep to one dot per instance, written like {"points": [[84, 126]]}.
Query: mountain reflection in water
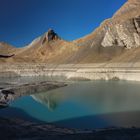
{"points": [[87, 104], [102, 97]]}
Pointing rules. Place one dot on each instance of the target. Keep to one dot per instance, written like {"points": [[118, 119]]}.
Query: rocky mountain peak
{"points": [[51, 35]]}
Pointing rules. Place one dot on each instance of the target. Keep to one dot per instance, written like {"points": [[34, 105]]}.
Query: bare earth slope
{"points": [[6, 51], [49, 48]]}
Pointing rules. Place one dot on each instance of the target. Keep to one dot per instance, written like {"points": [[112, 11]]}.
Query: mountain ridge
{"points": [[113, 41]]}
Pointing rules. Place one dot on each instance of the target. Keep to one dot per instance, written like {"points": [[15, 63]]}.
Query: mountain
{"points": [[116, 40], [48, 48]]}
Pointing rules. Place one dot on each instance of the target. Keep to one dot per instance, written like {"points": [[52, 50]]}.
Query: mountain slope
{"points": [[49, 48], [116, 40], [114, 37], [6, 51]]}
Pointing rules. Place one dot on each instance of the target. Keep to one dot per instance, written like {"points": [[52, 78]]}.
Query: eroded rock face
{"points": [[124, 27], [112, 39], [125, 34], [137, 24], [122, 30]]}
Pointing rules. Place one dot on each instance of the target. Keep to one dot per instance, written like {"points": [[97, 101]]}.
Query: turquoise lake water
{"points": [[92, 104]]}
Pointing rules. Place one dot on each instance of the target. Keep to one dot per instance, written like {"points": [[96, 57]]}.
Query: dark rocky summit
{"points": [[50, 36]]}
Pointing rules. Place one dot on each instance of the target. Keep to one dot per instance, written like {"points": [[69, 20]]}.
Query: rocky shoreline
{"points": [[10, 92], [15, 129], [95, 71]]}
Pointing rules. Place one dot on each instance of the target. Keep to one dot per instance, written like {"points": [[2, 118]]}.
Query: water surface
{"points": [[95, 104]]}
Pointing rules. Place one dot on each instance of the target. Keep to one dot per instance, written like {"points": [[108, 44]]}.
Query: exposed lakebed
{"points": [[90, 104]]}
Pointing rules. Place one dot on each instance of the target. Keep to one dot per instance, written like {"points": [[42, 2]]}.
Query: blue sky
{"points": [[21, 21]]}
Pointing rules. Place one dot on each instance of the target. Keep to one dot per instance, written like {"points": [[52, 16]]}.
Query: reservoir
{"points": [[85, 104]]}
